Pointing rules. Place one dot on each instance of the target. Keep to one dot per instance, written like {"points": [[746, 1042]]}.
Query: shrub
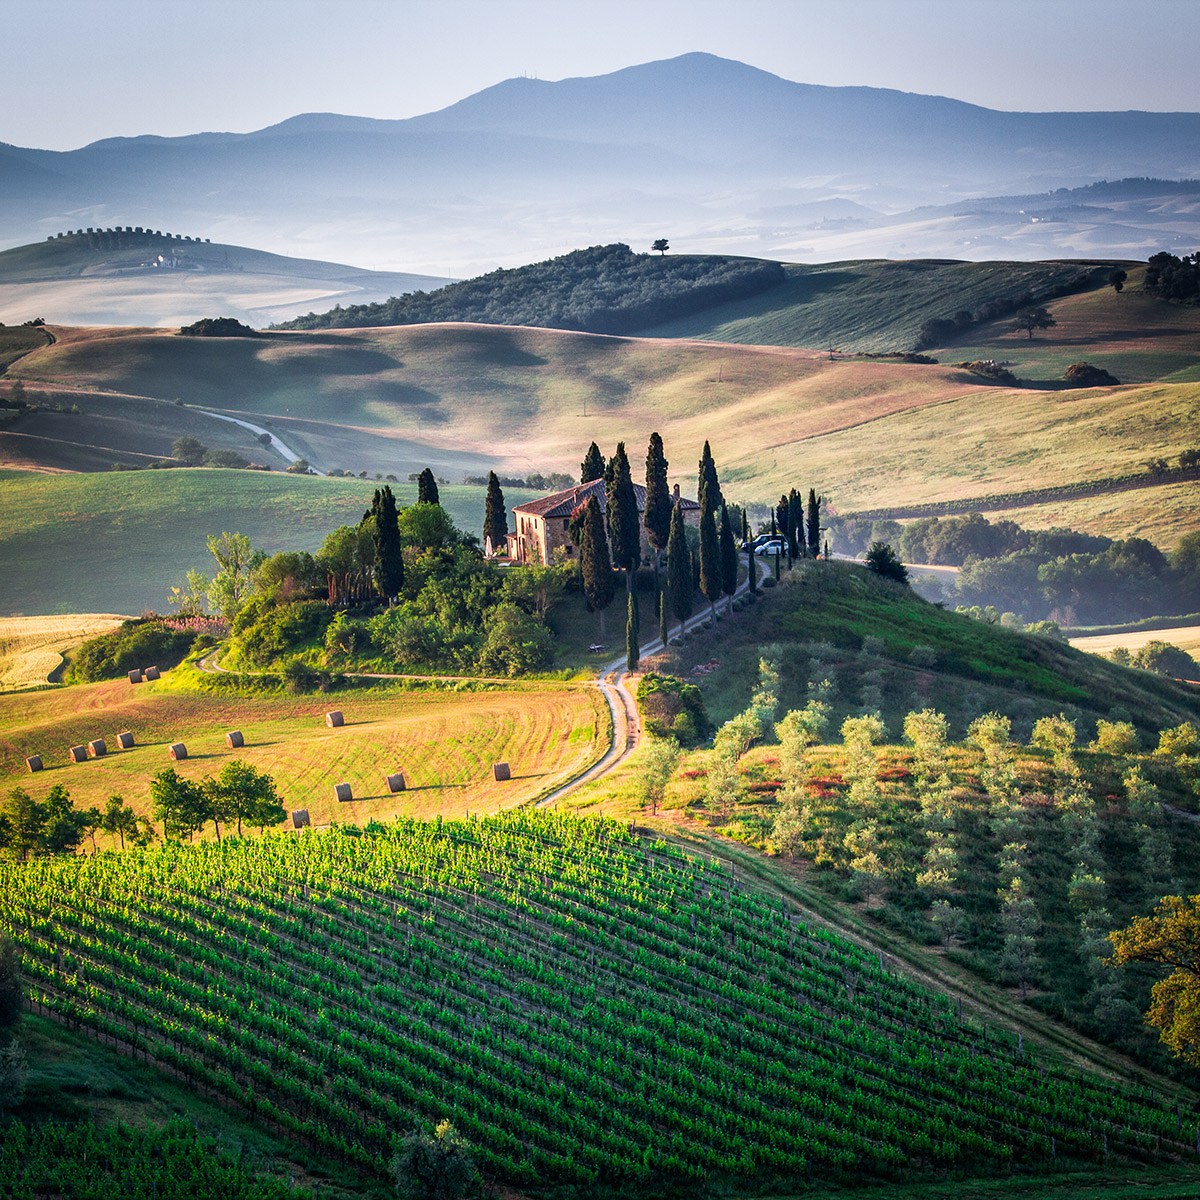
{"points": [[135, 644], [1084, 375], [1164, 659], [673, 709], [279, 631]]}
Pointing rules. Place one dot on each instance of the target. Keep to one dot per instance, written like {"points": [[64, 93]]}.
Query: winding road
{"points": [[285, 452]]}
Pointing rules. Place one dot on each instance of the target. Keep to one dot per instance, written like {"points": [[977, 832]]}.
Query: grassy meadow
{"points": [[120, 540], [443, 740]]}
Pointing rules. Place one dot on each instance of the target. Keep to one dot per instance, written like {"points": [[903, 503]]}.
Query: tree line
{"points": [[604, 289]]}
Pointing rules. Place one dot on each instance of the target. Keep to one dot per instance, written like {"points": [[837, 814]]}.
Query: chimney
{"points": [[676, 494]]}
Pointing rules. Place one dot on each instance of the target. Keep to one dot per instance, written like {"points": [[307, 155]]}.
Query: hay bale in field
{"points": [[34, 762], [501, 772], [150, 673], [234, 739], [300, 819], [396, 782], [178, 751], [97, 748], [335, 718], [342, 792], [136, 677], [78, 753], [125, 740]]}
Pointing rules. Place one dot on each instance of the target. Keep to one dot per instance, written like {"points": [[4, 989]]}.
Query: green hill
{"points": [[124, 538], [590, 1009]]}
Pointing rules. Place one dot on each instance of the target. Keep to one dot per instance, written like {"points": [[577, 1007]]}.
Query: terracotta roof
{"points": [[563, 504]]}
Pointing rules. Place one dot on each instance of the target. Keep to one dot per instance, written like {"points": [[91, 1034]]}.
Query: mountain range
{"points": [[717, 155]]}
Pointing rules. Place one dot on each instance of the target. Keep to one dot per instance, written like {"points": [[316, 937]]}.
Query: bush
{"points": [[138, 643], [673, 709], [1084, 375], [515, 643], [278, 631], [1164, 659]]}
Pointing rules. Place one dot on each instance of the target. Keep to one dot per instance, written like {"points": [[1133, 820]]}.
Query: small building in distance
{"points": [[542, 525]]}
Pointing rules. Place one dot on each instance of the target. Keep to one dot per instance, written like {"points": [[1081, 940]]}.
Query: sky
{"points": [[88, 69]]}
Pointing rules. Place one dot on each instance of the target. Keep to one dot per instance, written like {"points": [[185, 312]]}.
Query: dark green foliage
{"points": [[657, 517], [633, 632], [679, 569], [264, 632], [729, 555], [240, 793], [11, 991], [751, 568], [495, 515], [99, 1162], [604, 289], [595, 563], [883, 560], [179, 805], [515, 642], [1034, 318], [813, 523], [783, 518], [663, 616], [1083, 375], [1173, 278], [427, 488], [290, 574], [593, 465], [799, 542], [389, 556], [138, 643], [708, 489], [434, 1166], [1164, 659], [189, 450], [218, 327], [673, 709], [624, 533], [1116, 279]]}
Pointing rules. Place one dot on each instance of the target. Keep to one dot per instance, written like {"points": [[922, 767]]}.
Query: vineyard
{"points": [[587, 1007]]}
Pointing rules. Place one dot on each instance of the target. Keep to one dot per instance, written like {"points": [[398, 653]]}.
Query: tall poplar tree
{"points": [[594, 561], [427, 488], [796, 517], [495, 515], [592, 466], [814, 524], [729, 557], [624, 531], [389, 558], [679, 569], [710, 559], [708, 490], [657, 517]]}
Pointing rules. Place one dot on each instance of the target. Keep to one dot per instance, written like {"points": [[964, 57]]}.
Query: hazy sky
{"points": [[78, 70]]}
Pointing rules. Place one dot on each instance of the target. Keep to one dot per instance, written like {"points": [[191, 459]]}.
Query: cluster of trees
{"points": [[218, 327], [604, 289], [1160, 657], [138, 643], [192, 452], [1173, 278], [29, 827], [238, 794], [553, 481]]}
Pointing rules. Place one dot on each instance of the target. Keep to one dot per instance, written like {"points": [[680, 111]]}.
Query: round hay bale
{"points": [[136, 677], [334, 719], [178, 751], [78, 753], [234, 739], [125, 740], [150, 673], [97, 748], [342, 792], [501, 772], [396, 782], [300, 819], [34, 762]]}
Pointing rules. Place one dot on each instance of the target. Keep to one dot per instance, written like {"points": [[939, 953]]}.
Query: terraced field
{"points": [[444, 742]]}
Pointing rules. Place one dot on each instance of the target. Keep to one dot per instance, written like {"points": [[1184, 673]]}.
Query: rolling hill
{"points": [[136, 277]]}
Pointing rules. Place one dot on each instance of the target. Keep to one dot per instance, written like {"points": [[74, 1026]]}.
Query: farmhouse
{"points": [[542, 525]]}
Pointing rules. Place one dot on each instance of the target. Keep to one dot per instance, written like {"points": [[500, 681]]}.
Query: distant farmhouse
{"points": [[542, 525]]}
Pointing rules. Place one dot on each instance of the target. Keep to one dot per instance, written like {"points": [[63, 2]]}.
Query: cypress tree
{"points": [[389, 559], [624, 533], [745, 526], [679, 569], [633, 631], [752, 568], [710, 559], [657, 517], [708, 488], [662, 616], [592, 466], [729, 558], [776, 566], [814, 524], [774, 526], [594, 561], [796, 514], [427, 488], [784, 514], [495, 515]]}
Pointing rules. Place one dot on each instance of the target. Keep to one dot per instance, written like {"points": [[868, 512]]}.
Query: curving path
{"points": [[285, 452]]}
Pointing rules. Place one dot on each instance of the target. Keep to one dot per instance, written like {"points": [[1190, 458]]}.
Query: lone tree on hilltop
{"points": [[595, 562], [1034, 318], [592, 466], [661, 245], [495, 515], [427, 488]]}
